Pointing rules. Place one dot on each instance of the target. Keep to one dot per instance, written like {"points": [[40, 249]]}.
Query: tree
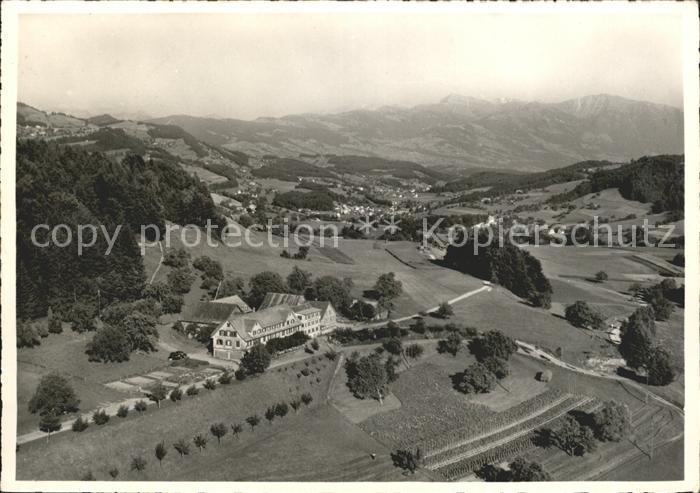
{"points": [[210, 267], [49, 423], [209, 384], [521, 471], [367, 377], [451, 344], [611, 423], [256, 360], [270, 414], [406, 460], [298, 280], [80, 424], [329, 288], [236, 429], [27, 335], [176, 257], [573, 438], [679, 260], [390, 368], [444, 310], [497, 366], [100, 417], [192, 390], [181, 279], [637, 336], [200, 442], [296, 404], [230, 286], [123, 411], [661, 306], [388, 287], [161, 452], [393, 346], [253, 421], [281, 409], [140, 406], [225, 378], [138, 463], [158, 393], [362, 311], [219, 430], [580, 314], [53, 394], [83, 317], [601, 276], [302, 253], [492, 343], [176, 394], [182, 447], [55, 325], [306, 398], [109, 344], [263, 283], [660, 371], [476, 379], [418, 326], [141, 331], [414, 351], [113, 473]]}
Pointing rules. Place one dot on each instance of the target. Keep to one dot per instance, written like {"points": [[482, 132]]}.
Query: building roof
{"points": [[275, 299], [206, 312], [245, 323], [235, 300]]}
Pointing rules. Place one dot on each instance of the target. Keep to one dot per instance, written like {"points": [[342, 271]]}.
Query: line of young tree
{"points": [[218, 431]]}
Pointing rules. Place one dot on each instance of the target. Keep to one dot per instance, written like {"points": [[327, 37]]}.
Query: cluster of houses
{"points": [[239, 327]]}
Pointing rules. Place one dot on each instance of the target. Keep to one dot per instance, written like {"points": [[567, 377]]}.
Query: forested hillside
{"points": [[65, 185], [655, 179]]}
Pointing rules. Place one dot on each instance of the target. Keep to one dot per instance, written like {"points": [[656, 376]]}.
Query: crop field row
{"points": [[506, 448], [469, 450], [497, 422]]}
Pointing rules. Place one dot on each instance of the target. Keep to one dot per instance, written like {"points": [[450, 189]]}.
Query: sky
{"points": [[250, 65]]}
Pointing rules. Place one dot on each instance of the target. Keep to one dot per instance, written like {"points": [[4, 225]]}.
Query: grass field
{"points": [[69, 455], [65, 353]]}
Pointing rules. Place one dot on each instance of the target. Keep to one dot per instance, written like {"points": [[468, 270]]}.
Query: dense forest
{"points": [[502, 183], [65, 185], [655, 179], [507, 265], [377, 166], [314, 200]]}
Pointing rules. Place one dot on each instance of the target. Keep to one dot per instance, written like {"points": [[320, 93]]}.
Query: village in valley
{"points": [[382, 311]]}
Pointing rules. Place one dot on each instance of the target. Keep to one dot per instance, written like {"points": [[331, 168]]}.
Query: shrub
{"points": [[414, 351], [123, 411], [175, 394], [80, 424], [225, 378], [140, 406], [100, 417], [209, 384], [281, 409], [240, 374], [192, 390], [306, 398]]}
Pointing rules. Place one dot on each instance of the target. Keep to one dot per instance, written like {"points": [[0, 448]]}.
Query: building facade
{"points": [[242, 331]]}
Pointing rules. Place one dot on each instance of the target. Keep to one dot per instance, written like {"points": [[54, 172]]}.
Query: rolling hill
{"points": [[460, 133]]}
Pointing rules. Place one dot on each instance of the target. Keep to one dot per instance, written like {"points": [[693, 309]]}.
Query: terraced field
{"points": [[460, 455]]}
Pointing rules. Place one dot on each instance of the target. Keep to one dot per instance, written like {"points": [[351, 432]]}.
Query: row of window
{"points": [[221, 342]]}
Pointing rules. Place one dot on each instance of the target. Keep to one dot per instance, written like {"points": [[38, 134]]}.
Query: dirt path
{"points": [[160, 262]]}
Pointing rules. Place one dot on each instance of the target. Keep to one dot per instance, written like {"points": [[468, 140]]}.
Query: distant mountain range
{"points": [[459, 133]]}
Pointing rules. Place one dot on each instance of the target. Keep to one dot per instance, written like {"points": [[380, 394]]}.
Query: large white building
{"points": [[242, 331]]}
